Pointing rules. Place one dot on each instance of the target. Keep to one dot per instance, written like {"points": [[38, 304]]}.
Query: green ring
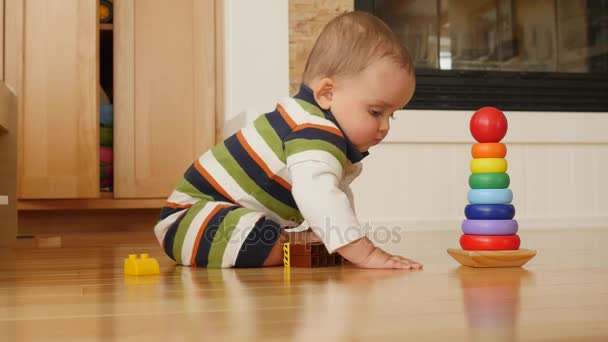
{"points": [[489, 180]]}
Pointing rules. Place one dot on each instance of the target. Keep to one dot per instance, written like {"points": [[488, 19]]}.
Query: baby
{"points": [[235, 204]]}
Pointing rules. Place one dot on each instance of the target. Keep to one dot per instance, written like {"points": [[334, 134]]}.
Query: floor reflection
{"points": [[301, 304], [491, 299]]}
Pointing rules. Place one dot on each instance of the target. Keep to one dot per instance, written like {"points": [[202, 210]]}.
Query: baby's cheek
{"points": [[367, 132], [371, 127]]}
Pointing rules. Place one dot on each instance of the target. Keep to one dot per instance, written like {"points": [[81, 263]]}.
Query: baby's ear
{"points": [[323, 92]]}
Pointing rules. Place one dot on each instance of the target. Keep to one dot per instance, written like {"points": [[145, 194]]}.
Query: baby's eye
{"points": [[375, 113]]}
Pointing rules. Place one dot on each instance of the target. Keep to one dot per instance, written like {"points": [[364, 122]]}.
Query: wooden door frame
{"points": [[8, 166]]}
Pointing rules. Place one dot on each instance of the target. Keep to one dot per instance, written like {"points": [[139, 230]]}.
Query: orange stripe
{"points": [[261, 163], [177, 205], [281, 181], [202, 230], [212, 181], [286, 117], [331, 130]]}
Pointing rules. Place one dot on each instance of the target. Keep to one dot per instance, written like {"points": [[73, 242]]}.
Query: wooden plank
{"points": [[2, 21], [219, 71], [124, 97], [57, 222], [165, 93], [13, 44], [92, 203], [59, 132], [68, 279], [8, 166]]}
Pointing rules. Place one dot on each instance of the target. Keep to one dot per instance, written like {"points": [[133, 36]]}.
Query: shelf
{"points": [[106, 27], [105, 201]]}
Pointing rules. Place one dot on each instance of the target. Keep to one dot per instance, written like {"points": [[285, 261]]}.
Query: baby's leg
{"points": [[275, 258], [217, 234]]}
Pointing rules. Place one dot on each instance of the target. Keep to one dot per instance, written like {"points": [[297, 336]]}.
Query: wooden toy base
{"points": [[515, 258]]}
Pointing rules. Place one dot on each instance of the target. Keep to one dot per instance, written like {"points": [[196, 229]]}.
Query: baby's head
{"points": [[359, 69]]}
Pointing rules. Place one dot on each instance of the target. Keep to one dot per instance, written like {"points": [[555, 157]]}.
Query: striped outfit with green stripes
{"points": [[286, 167]]}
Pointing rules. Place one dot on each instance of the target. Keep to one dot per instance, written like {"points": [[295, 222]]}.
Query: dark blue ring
{"points": [[489, 211]]}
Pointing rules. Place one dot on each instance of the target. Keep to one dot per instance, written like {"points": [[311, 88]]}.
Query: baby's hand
{"points": [[364, 254], [381, 259]]}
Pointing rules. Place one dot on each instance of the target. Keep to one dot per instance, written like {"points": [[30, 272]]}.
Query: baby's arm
{"points": [[330, 214]]}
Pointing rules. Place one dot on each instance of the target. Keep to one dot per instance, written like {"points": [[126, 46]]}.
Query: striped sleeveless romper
{"points": [[228, 208]]}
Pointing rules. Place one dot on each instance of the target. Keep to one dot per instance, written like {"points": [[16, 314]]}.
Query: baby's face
{"points": [[363, 104]]}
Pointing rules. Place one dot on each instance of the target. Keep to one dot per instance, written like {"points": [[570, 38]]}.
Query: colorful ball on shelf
{"points": [[105, 11], [490, 196], [106, 154], [489, 211], [488, 150], [106, 136], [106, 115], [106, 174], [489, 227], [489, 242], [488, 124], [496, 180]]}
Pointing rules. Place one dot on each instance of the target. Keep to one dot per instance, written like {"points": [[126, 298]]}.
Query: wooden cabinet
{"points": [[58, 132], [167, 99], [164, 92]]}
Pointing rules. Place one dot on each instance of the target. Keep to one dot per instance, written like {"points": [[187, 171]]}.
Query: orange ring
{"points": [[489, 150]]}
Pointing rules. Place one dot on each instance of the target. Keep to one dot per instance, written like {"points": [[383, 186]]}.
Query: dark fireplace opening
{"points": [[523, 55]]}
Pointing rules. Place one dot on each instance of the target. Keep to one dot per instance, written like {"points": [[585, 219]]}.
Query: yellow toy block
{"points": [[286, 255], [142, 266]]}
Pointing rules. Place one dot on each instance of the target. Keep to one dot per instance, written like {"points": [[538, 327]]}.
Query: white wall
{"points": [[257, 58], [557, 163], [418, 177]]}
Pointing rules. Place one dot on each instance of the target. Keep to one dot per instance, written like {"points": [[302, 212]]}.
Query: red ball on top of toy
{"points": [[488, 125]]}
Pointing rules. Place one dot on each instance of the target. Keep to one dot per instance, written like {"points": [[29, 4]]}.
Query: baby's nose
{"points": [[384, 126]]}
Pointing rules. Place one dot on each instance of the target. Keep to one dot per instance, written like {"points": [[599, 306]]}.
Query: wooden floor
{"points": [[70, 287]]}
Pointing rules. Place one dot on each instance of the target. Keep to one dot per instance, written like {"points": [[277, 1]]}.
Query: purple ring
{"points": [[489, 227]]}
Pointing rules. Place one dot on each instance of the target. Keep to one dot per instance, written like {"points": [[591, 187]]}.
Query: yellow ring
{"points": [[488, 165]]}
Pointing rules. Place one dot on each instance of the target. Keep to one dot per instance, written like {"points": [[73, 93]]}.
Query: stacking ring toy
{"points": [[490, 242], [489, 150], [489, 180], [489, 211], [489, 227], [488, 165], [490, 196]]}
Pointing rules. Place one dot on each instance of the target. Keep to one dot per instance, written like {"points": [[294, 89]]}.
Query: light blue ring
{"points": [[490, 196]]}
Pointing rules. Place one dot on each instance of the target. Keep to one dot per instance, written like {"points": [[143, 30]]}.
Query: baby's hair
{"points": [[349, 43]]}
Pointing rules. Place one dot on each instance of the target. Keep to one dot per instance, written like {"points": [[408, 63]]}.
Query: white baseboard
{"points": [[536, 223]]}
